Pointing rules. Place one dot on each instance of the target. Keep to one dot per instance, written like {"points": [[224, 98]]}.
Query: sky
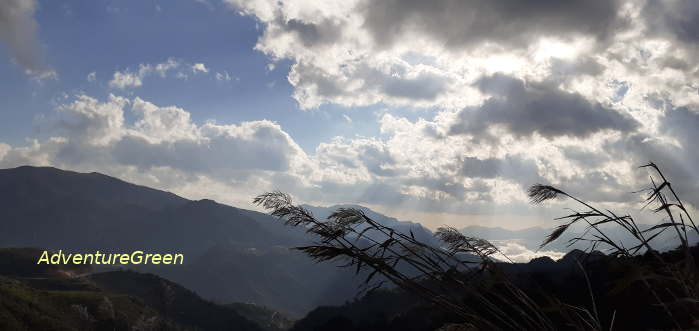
{"points": [[442, 112]]}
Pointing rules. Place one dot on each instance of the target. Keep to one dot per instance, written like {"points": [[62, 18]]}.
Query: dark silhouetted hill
{"points": [[614, 283]]}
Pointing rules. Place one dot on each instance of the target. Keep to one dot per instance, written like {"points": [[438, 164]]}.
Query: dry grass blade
{"points": [[348, 216], [323, 253], [440, 274], [555, 234], [459, 243], [539, 193], [282, 207]]}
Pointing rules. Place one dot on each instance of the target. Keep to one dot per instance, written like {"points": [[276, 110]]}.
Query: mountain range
{"points": [[237, 263], [231, 254]]}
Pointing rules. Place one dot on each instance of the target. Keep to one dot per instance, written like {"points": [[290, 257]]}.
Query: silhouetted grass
{"points": [[441, 275], [675, 278], [461, 277]]}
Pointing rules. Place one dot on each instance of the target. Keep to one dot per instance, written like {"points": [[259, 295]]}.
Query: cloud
{"points": [[357, 158], [123, 80], [163, 124], [524, 109], [518, 253], [18, 29], [130, 79], [199, 67], [87, 122], [513, 167], [42, 75], [414, 166], [224, 76], [605, 58], [334, 61], [162, 144], [459, 24], [677, 19], [671, 149], [479, 100], [407, 53]]}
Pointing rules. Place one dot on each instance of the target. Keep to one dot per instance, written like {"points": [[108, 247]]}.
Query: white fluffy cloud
{"points": [[125, 79], [406, 53], [134, 78], [518, 253], [199, 67], [415, 166], [617, 55], [575, 95], [163, 147]]}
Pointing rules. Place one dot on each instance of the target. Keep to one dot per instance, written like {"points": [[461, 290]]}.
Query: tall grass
{"points": [[443, 276], [463, 278], [673, 279]]}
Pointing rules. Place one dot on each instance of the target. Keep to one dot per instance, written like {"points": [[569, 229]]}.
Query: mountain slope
{"points": [[231, 255], [52, 298]]}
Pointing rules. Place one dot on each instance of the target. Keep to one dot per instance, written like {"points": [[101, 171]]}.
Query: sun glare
{"points": [[548, 48]]}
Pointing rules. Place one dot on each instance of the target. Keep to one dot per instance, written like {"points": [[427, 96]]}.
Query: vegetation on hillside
{"points": [[55, 297]]}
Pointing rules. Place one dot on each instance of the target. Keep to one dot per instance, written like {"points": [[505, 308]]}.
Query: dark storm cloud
{"points": [[18, 29], [584, 158], [424, 87], [682, 123], [679, 19], [524, 109], [579, 66], [509, 167], [312, 34], [459, 23]]}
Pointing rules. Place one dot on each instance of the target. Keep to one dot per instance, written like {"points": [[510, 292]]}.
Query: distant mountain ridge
{"points": [[532, 237], [231, 254], [420, 232]]}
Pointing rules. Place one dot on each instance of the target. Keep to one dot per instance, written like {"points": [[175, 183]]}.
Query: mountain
{"points": [[264, 317], [577, 281], [399, 310], [420, 233], [531, 238], [231, 254], [62, 297]]}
